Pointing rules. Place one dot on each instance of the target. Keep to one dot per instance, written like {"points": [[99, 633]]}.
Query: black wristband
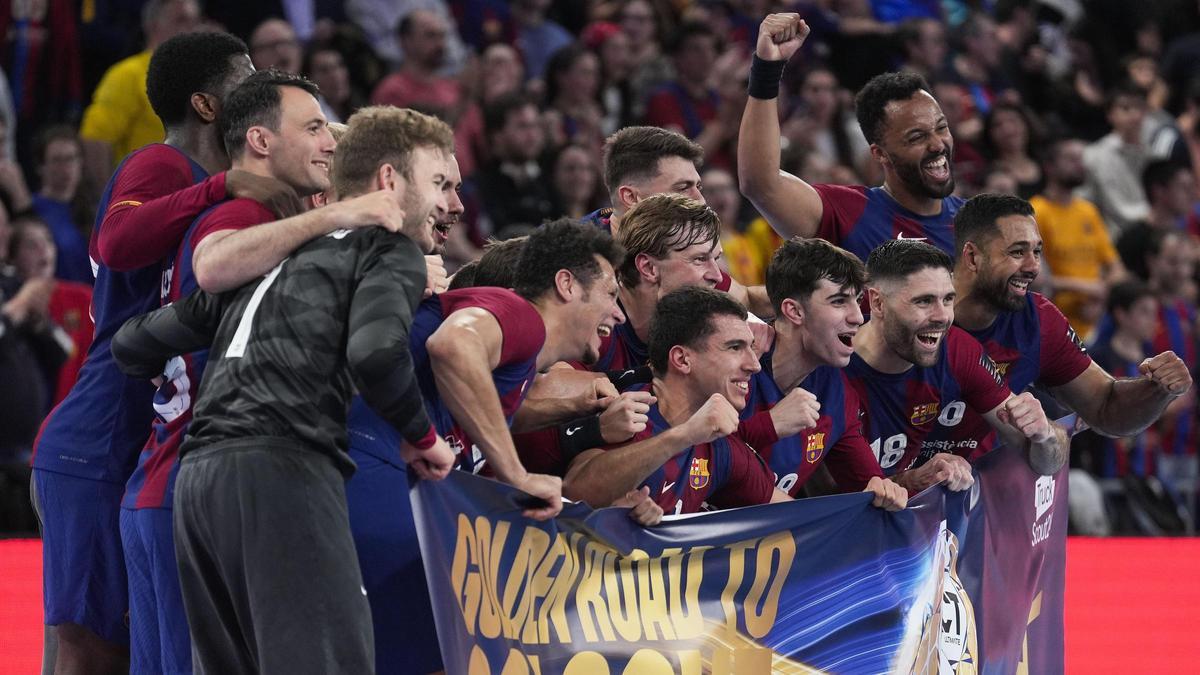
{"points": [[578, 435], [764, 78]]}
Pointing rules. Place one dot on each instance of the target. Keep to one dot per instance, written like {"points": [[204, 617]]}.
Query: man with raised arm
{"points": [[911, 368], [1029, 339], [909, 137]]}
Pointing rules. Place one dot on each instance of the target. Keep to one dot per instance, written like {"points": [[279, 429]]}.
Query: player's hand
{"points": [[1169, 372], [273, 193], [764, 335], [948, 469], [642, 509], [1024, 413], [31, 304], [625, 416], [436, 280], [799, 410], [597, 396], [380, 207], [546, 488], [432, 463], [715, 419], [780, 36], [888, 495]]}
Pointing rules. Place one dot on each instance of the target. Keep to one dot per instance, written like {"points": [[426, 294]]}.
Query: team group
{"points": [[260, 522]]}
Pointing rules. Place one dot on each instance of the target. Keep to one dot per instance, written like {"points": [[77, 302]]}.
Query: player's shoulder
{"points": [[241, 208], [842, 194], [157, 155]]}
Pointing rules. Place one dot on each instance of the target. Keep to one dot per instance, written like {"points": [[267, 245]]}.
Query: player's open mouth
{"points": [[443, 229], [742, 385], [938, 169], [603, 331], [322, 165], [846, 339], [929, 339], [1021, 286]]}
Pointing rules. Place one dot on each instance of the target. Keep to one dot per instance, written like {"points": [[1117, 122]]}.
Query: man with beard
{"points": [[815, 287], [1078, 250], [909, 137], [264, 463], [1029, 339], [689, 453], [911, 368]]}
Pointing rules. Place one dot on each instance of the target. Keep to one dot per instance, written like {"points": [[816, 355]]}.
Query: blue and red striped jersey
{"points": [[524, 334], [901, 410], [98, 429], [152, 484], [1035, 344], [837, 438], [859, 218]]}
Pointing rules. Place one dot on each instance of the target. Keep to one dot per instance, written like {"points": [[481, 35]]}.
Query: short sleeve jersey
{"points": [[278, 367], [901, 410], [524, 334], [1035, 344], [153, 481], [836, 439], [723, 474], [859, 218], [98, 429]]}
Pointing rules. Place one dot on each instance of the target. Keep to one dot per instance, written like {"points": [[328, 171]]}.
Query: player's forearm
{"points": [[464, 383], [243, 256], [1130, 406], [539, 413], [609, 475], [145, 343], [758, 147], [1048, 456]]}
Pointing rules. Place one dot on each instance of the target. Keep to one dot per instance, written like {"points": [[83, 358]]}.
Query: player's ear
{"points": [[970, 255], [205, 106], [646, 267], [792, 311], [628, 196], [680, 359], [565, 284], [879, 155], [875, 300], [257, 140], [387, 178]]}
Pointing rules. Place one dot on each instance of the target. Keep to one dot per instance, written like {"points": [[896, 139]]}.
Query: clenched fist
{"points": [[1169, 372], [717, 418], [626, 416], [799, 410], [1024, 413], [780, 36]]}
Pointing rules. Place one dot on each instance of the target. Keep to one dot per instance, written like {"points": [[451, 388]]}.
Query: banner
{"points": [[957, 582]]}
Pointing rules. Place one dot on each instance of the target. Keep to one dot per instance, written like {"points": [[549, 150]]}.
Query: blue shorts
{"points": [[83, 568], [158, 627], [385, 535]]}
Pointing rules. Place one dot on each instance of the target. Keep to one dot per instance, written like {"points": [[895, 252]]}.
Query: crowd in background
{"points": [[1089, 108]]}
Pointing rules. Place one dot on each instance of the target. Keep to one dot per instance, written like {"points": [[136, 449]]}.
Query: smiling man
{"points": [[912, 368], [689, 454], [910, 140]]}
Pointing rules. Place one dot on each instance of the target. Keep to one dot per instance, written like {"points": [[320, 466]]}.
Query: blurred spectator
{"points": [[379, 20], [1115, 162], [970, 166], [999, 181], [69, 308], [41, 57], [1077, 246], [8, 121], [305, 18], [1010, 137], [822, 122], [28, 350], [500, 72], [847, 35], [1171, 191], [617, 99], [67, 210], [743, 259], [325, 66], [576, 184], [1159, 133], [537, 37], [13, 188], [644, 31], [274, 44], [418, 83], [573, 112], [978, 65], [119, 119], [510, 187], [923, 42]]}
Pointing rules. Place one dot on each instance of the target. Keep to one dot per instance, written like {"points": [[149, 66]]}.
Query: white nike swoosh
{"points": [[668, 486], [572, 430], [900, 236], [628, 372]]}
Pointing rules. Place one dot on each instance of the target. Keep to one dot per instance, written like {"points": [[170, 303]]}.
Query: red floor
{"points": [[1132, 605]]}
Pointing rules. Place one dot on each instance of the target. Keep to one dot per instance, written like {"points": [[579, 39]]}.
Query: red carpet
{"points": [[1131, 605]]}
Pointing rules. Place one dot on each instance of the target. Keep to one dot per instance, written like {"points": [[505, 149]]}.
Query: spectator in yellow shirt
{"points": [[1077, 247], [119, 119], [746, 257]]}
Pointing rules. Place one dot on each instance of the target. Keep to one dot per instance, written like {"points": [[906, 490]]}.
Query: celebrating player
{"points": [[909, 137], [265, 460], [1029, 339], [911, 368], [688, 454], [815, 287]]}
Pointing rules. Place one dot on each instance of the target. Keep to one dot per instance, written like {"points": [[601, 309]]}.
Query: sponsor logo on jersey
{"points": [[1002, 368], [698, 474], [924, 413], [1074, 337], [990, 366], [814, 447]]}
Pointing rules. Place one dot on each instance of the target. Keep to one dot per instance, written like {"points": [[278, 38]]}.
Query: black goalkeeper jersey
{"points": [[287, 350]]}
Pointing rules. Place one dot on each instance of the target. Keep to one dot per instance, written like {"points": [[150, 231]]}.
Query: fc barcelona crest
{"points": [[698, 475], [924, 414], [814, 447]]}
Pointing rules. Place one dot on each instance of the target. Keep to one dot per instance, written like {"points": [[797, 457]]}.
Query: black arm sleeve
{"points": [[144, 344], [391, 284]]}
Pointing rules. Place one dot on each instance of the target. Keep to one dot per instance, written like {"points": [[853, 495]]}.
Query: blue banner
{"points": [[958, 582]]}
